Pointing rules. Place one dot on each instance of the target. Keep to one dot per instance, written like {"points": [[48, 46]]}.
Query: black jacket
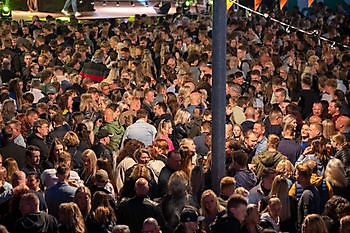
{"points": [[15, 151], [226, 224], [103, 151], [37, 223], [135, 210], [33, 139]]}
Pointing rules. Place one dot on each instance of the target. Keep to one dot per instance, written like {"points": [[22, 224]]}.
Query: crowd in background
{"points": [[106, 125]]}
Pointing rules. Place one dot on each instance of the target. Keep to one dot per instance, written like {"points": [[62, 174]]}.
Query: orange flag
{"points": [[229, 4], [309, 3], [283, 3], [257, 4]]}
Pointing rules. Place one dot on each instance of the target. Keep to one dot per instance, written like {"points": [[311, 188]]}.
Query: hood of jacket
{"points": [[270, 158], [37, 222]]}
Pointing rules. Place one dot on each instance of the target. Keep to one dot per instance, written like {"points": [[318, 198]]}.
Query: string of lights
{"points": [[314, 33]]}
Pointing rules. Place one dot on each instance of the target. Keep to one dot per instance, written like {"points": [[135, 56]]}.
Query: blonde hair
{"points": [[162, 145], [280, 189], [273, 140], [242, 191], [178, 183], [87, 104], [210, 193], [11, 166], [182, 116], [313, 223], [339, 139], [328, 128], [89, 171], [335, 173], [71, 217], [71, 139], [185, 143], [285, 167]]}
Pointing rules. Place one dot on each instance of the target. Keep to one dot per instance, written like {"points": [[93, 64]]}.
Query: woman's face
{"points": [[87, 162], [210, 204], [59, 149], [82, 200], [144, 158], [305, 131], [70, 102], [237, 132], [254, 216], [192, 146], [20, 85], [168, 129]]}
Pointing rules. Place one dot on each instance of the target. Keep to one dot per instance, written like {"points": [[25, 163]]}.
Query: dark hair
{"points": [[235, 200], [30, 150], [240, 157]]}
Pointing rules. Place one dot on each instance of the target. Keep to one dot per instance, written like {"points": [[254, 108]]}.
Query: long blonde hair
{"points": [[335, 173], [210, 193], [71, 217], [87, 104], [328, 128], [280, 189], [89, 171]]}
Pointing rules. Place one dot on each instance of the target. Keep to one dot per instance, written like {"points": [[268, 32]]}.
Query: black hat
{"points": [[102, 133], [189, 214]]}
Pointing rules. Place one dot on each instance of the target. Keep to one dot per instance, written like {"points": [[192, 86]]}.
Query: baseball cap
{"points": [[51, 90], [102, 133], [189, 214]]}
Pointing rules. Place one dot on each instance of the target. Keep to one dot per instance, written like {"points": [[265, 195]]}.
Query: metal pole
{"points": [[219, 92]]}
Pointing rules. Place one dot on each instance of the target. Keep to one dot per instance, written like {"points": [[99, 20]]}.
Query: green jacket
{"points": [[266, 159], [117, 130]]}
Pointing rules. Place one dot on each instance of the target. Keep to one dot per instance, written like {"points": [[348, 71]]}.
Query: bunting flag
{"points": [[283, 3], [257, 4], [229, 4], [309, 3]]}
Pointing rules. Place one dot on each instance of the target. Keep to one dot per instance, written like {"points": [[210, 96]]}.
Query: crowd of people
{"points": [[106, 125]]}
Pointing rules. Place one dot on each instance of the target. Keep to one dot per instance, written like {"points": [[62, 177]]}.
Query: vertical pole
{"points": [[219, 92]]}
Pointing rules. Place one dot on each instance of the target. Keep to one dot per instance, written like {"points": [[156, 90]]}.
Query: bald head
{"points": [[250, 113], [315, 119], [141, 187], [342, 123], [18, 178]]}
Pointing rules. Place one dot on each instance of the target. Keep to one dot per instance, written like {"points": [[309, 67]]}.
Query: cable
{"points": [[314, 33]]}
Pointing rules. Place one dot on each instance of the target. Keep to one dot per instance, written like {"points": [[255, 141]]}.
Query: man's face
{"points": [[149, 96], [105, 90], [35, 158], [332, 109], [240, 53], [313, 131], [32, 182], [279, 97], [150, 228], [239, 212], [44, 129], [317, 109], [158, 110], [15, 130], [174, 161], [258, 130], [239, 80], [28, 59], [251, 141], [31, 118]]}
